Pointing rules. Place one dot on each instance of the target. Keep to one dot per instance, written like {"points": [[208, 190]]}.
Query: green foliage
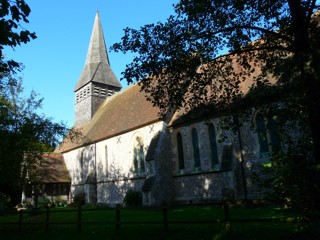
{"points": [[60, 202], [57, 202], [133, 199], [4, 202], [209, 48], [12, 14], [44, 202], [204, 55], [27, 205], [79, 199], [294, 178], [26, 135]]}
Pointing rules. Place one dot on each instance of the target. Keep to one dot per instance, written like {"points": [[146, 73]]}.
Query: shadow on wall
{"points": [[113, 184], [84, 172], [209, 186]]}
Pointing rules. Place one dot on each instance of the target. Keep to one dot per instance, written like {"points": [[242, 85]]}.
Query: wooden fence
{"points": [[117, 222]]}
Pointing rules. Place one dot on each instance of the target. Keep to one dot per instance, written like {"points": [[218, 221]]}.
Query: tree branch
{"points": [[253, 50], [229, 29], [310, 12]]}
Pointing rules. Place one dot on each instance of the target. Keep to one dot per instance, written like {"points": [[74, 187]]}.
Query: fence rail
{"points": [[117, 222]]}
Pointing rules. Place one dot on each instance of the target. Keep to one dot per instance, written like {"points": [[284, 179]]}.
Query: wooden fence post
{"points": [[79, 218], [226, 211], [47, 219], [165, 218], [227, 217], [118, 218], [20, 220]]}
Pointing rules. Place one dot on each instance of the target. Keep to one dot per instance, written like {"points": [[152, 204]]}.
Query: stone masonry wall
{"points": [[110, 163]]}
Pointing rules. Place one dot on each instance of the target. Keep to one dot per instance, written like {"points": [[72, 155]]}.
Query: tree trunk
{"points": [[309, 78]]}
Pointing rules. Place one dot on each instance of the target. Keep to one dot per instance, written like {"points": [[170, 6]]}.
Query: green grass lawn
{"points": [[100, 225]]}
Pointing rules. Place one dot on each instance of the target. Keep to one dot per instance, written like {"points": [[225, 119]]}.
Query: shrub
{"points": [[60, 202], [26, 205], [45, 202], [133, 199], [79, 198], [4, 202]]}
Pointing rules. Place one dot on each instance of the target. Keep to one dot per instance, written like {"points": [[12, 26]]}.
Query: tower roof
{"points": [[97, 67]]}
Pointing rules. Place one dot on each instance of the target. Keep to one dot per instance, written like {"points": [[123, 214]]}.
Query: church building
{"points": [[125, 145]]}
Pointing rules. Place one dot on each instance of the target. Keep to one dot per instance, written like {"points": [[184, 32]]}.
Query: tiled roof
{"points": [[186, 114], [124, 111], [52, 169]]}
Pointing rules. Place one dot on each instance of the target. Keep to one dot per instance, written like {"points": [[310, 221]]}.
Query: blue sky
{"points": [[54, 61]]}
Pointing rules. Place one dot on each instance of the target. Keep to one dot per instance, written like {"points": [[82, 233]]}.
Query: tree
{"points": [[25, 136], [12, 13], [236, 55]]}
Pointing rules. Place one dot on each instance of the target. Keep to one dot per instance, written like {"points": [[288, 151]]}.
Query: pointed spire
{"points": [[97, 66], [97, 51]]}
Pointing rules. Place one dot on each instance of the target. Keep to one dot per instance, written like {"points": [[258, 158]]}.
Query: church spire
{"points": [[97, 51], [97, 81], [97, 66]]}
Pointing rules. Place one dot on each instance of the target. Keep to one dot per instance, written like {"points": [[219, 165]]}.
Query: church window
{"points": [[135, 161], [106, 160], [269, 140], [138, 157], [141, 158], [274, 135], [81, 160], [196, 152], [82, 165], [213, 145], [180, 152]]}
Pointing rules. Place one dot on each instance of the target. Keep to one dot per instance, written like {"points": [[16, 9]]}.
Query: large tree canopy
{"points": [[197, 48], [245, 53], [25, 135], [211, 51], [12, 14]]}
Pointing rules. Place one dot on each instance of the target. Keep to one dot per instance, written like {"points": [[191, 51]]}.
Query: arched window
{"points": [[274, 135], [180, 151], [82, 165], [81, 160], [195, 147], [106, 160], [213, 145], [135, 161], [262, 135], [269, 140], [138, 157], [141, 160]]}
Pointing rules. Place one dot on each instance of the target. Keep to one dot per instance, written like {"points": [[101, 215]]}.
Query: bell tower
{"points": [[97, 81]]}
